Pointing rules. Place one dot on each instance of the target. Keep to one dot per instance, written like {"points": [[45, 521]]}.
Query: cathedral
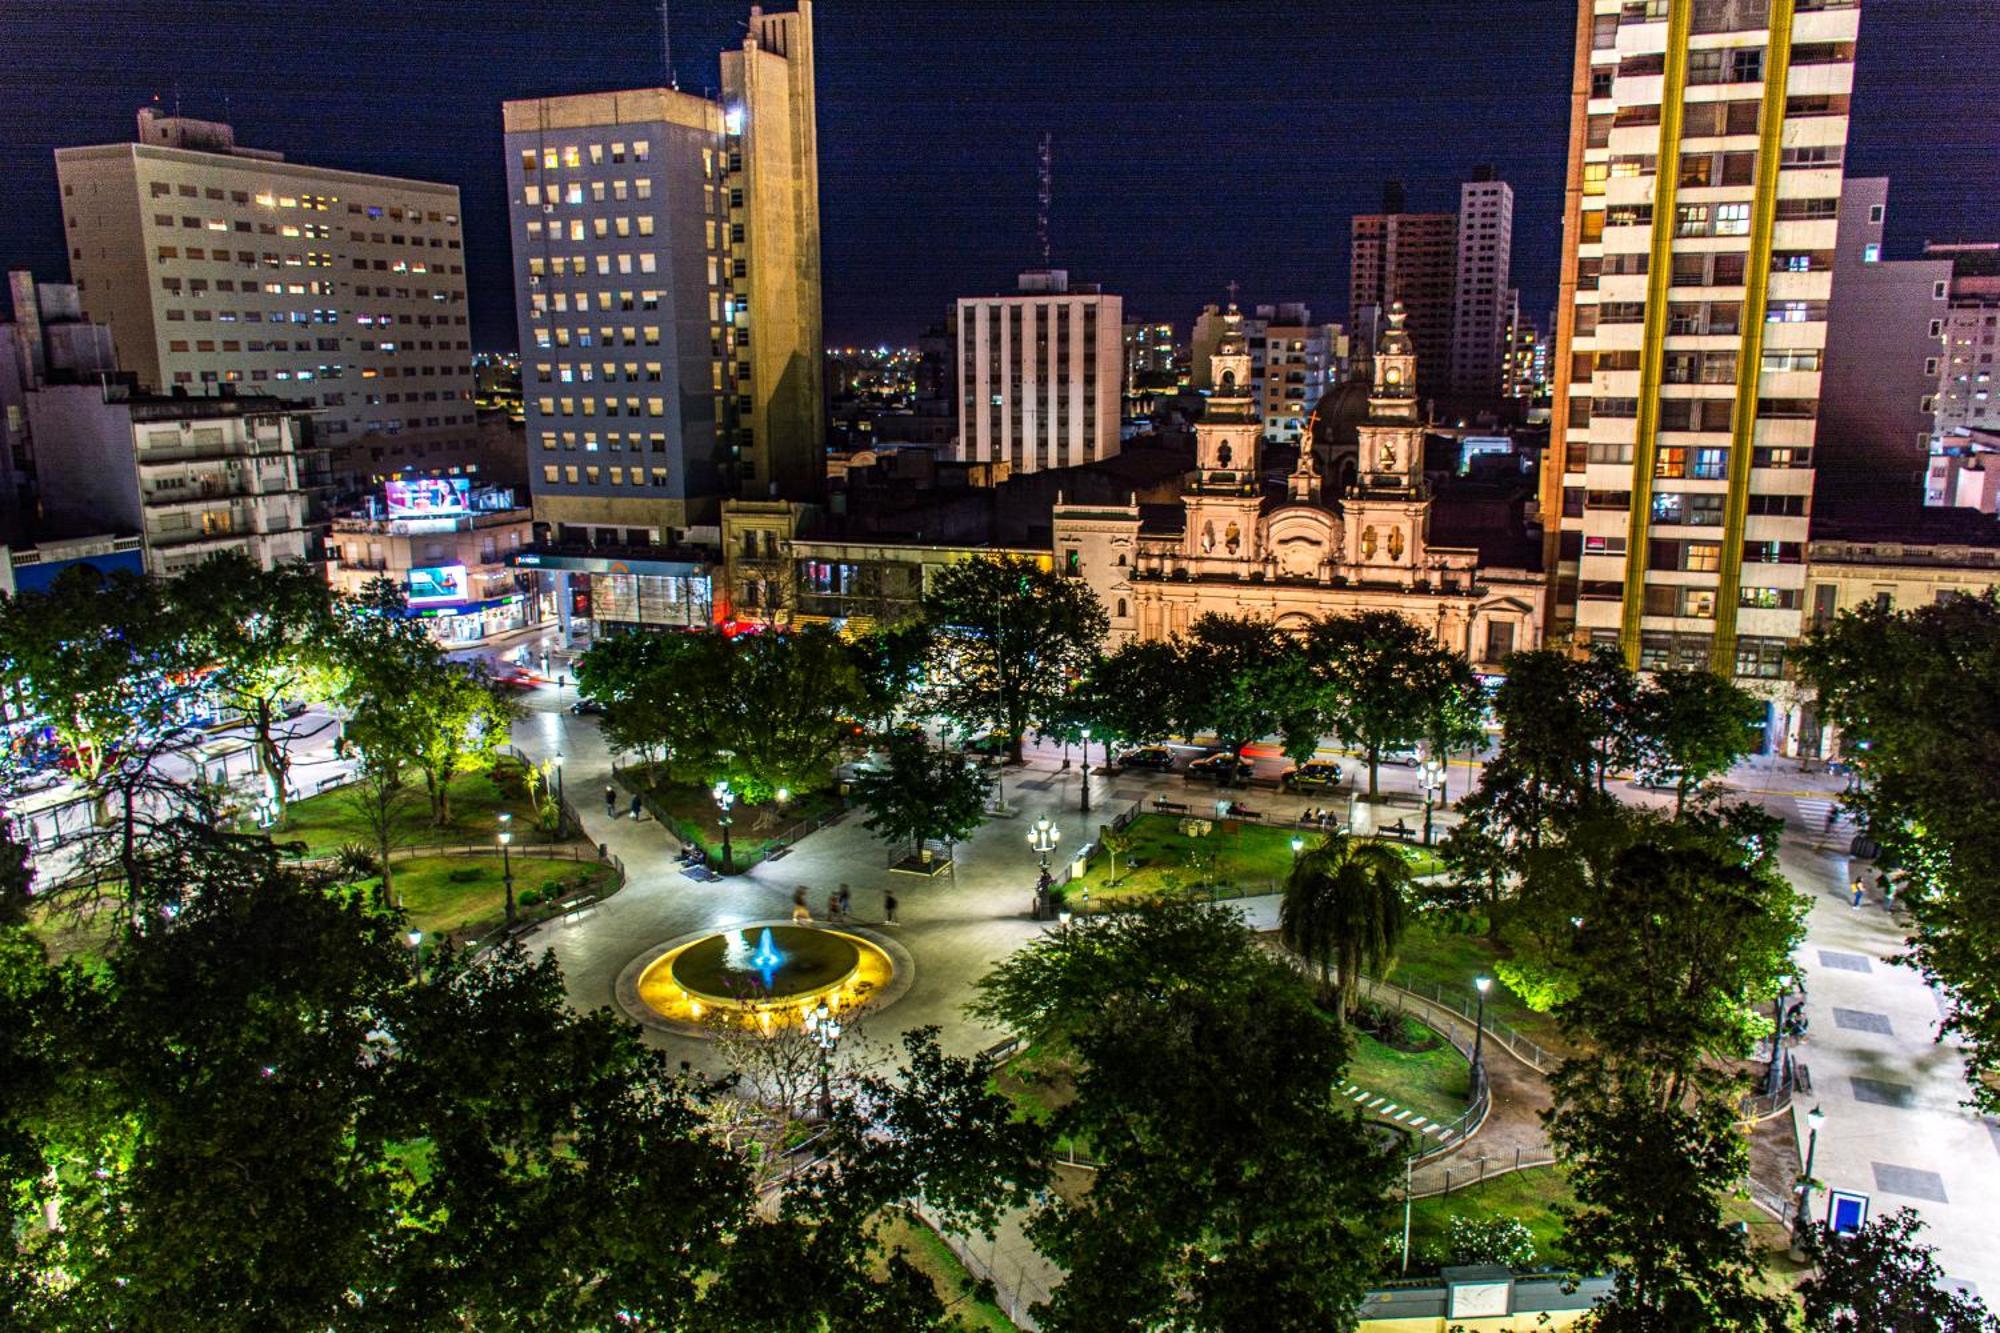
{"points": [[1244, 546]]}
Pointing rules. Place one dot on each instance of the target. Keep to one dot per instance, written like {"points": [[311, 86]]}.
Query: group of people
{"points": [[839, 906], [1318, 817], [1883, 883]]}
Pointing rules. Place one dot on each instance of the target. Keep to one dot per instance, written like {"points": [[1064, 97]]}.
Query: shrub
{"points": [[1492, 1240], [356, 862], [466, 875], [529, 897]]}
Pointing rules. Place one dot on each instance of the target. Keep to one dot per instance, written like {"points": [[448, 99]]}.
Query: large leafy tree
{"points": [[922, 793], [1138, 694], [392, 670], [1011, 639], [1882, 1279], [1235, 1190], [105, 664], [1233, 666], [1345, 910], [1390, 685], [1651, 1181], [1664, 935], [272, 637], [1912, 693], [1691, 726], [458, 723], [767, 711]]}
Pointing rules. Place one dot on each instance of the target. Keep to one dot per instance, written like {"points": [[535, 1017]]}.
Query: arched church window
{"points": [[1121, 608], [1222, 454], [1233, 538]]}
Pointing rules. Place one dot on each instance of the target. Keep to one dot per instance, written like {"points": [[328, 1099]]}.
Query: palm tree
{"points": [[1344, 910]]}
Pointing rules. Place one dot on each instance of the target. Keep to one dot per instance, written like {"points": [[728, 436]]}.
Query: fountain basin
{"points": [[764, 973]]}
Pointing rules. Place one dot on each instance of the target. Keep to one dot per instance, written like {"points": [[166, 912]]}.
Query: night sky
{"points": [[1194, 143]]}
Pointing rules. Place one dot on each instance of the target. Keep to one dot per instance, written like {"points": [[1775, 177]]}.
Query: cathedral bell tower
{"points": [[1223, 504], [1387, 509]]}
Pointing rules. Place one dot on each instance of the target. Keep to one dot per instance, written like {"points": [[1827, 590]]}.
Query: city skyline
{"points": [[1183, 160]]}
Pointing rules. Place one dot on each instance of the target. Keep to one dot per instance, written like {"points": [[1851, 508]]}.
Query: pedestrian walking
{"points": [[833, 905], [801, 914], [846, 903], [1888, 887], [635, 805], [889, 907], [1832, 817], [1857, 892], [611, 803]]}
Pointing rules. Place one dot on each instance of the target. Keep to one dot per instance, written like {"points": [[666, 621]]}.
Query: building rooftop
{"points": [[1904, 525]]}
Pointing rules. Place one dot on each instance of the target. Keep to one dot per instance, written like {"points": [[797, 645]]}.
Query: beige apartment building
{"points": [[216, 264], [1704, 188], [452, 567], [1040, 374]]}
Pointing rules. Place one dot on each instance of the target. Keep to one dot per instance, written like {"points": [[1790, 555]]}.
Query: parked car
{"points": [[1157, 757], [1221, 768], [515, 680], [1312, 775], [587, 708], [1402, 758], [991, 744]]}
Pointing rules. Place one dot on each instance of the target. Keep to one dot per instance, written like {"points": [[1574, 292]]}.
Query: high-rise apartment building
{"points": [[216, 264], [667, 287], [1292, 360], [1482, 301], [1883, 349], [1700, 229], [1407, 257], [1149, 355], [191, 476], [1040, 374], [1969, 337]]}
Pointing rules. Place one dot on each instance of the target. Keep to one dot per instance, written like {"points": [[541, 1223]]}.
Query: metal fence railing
{"points": [[1465, 1006]]}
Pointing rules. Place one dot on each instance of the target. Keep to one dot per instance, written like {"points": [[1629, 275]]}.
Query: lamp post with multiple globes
{"points": [[505, 837]]}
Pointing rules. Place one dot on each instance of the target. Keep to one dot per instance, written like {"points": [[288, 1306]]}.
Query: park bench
{"points": [[1164, 806], [1399, 829], [577, 906], [1239, 812]]}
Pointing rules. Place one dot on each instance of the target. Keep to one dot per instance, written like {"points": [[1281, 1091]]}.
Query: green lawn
{"points": [[466, 895], [1432, 955], [927, 1250], [691, 812], [1255, 858], [331, 820], [1531, 1196], [1436, 1084]]}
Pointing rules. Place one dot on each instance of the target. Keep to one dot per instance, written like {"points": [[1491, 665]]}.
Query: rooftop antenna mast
{"points": [[1045, 172], [667, 47]]}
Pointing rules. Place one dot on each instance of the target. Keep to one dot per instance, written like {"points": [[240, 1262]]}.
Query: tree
{"points": [[1563, 723], [889, 669], [272, 637], [1692, 726], [457, 721], [922, 793], [1011, 638], [1115, 841], [1390, 685], [1882, 1279], [1685, 927], [1139, 693], [1343, 908], [1232, 664], [390, 665], [1908, 691], [767, 711], [1235, 1190], [1651, 1180]]}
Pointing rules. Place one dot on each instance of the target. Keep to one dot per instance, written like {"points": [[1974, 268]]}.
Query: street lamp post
{"points": [[416, 939], [824, 1029], [724, 798], [1086, 770], [1298, 845], [1802, 1224], [1482, 985], [1043, 838], [506, 838], [1433, 778]]}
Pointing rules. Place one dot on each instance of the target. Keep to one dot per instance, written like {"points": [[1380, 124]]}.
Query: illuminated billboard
{"points": [[418, 497], [438, 583]]}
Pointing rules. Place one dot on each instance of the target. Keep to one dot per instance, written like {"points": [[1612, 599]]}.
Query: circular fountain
{"points": [[766, 974]]}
